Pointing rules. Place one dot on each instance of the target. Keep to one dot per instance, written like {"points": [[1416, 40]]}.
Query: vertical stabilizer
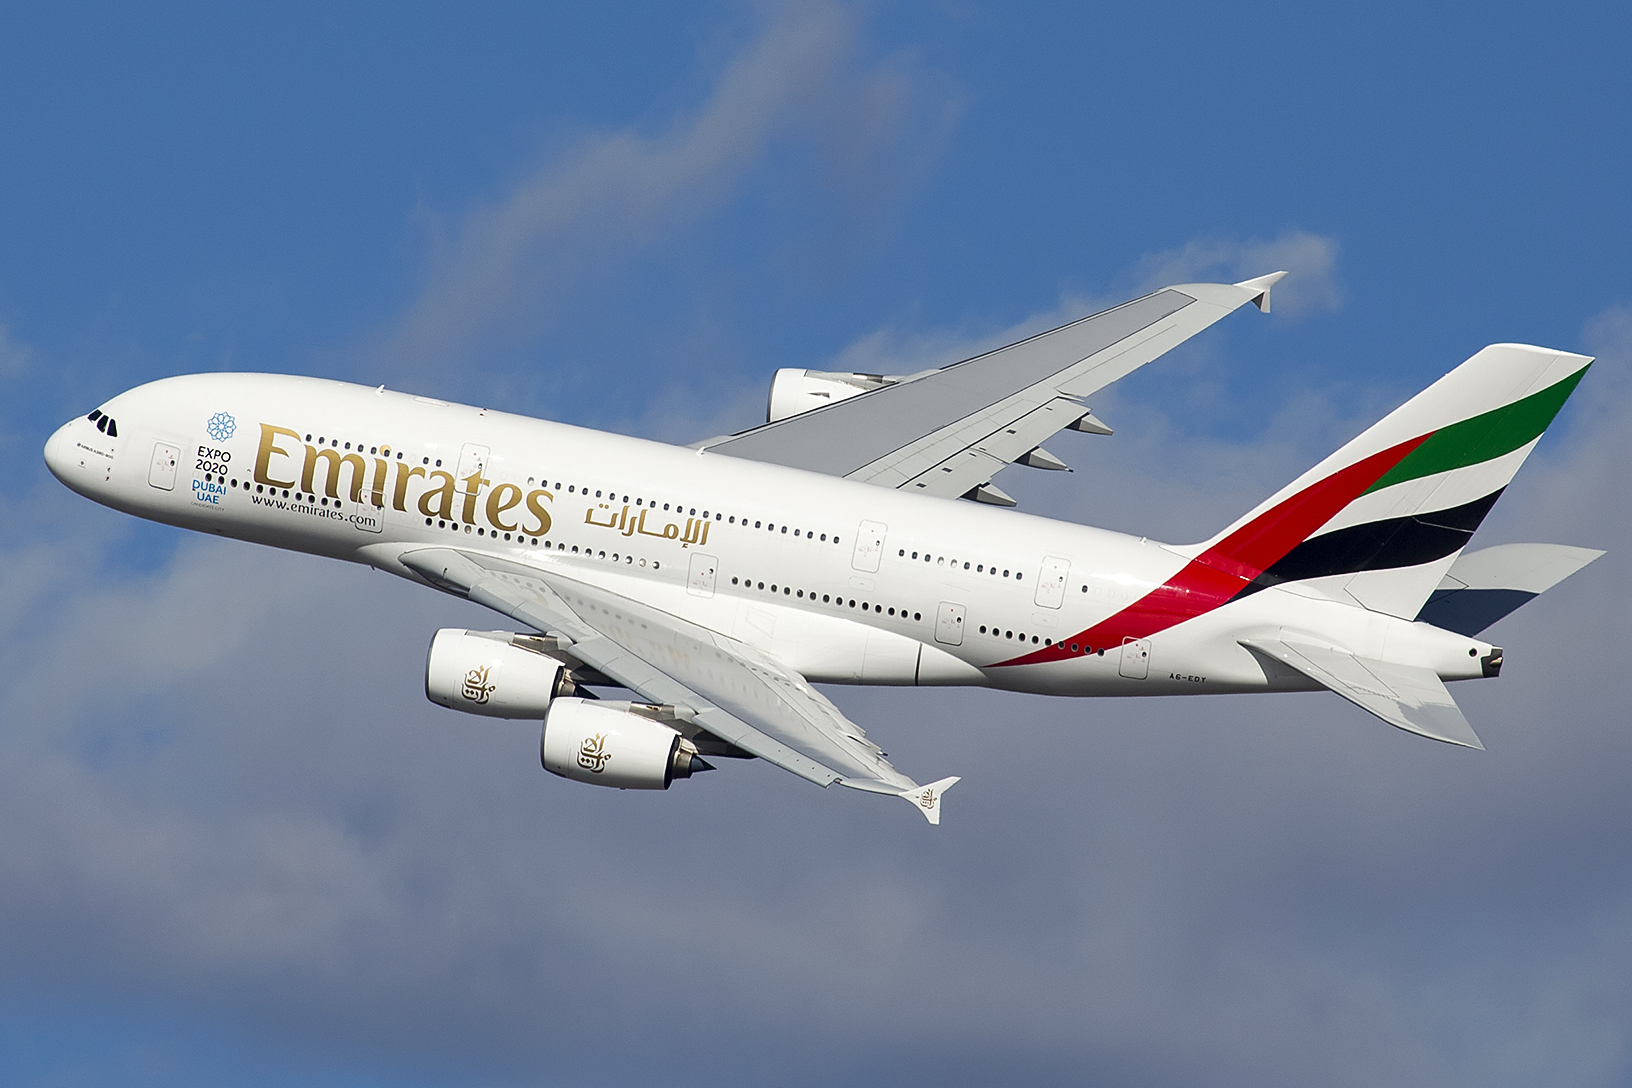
{"points": [[1381, 520]]}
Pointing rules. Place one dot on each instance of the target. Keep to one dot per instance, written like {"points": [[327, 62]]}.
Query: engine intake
{"points": [[607, 744], [493, 673]]}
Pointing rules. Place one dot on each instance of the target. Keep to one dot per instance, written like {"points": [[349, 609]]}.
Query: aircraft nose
{"points": [[59, 449], [81, 465]]}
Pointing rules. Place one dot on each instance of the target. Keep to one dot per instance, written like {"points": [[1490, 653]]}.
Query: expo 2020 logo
{"points": [[221, 426]]}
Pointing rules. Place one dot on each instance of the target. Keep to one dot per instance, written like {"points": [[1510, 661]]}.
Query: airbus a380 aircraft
{"points": [[717, 583]]}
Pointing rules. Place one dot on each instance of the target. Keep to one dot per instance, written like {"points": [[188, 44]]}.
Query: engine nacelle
{"points": [[493, 673], [795, 391], [605, 744]]}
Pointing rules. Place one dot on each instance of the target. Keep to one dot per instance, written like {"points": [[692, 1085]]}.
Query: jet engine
{"points": [[611, 744], [493, 673], [795, 391]]}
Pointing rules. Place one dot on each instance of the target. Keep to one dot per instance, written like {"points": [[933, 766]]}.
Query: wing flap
{"points": [[976, 460], [1404, 696]]}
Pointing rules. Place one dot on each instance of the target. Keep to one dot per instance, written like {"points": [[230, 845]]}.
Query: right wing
{"points": [[716, 683], [1404, 696], [947, 432]]}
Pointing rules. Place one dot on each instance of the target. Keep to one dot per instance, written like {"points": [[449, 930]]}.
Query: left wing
{"points": [[715, 683], [946, 432]]}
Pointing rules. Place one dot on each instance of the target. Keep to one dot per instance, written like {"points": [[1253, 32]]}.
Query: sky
{"points": [[238, 846]]}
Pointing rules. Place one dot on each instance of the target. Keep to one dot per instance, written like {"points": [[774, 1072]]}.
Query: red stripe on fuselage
{"points": [[1219, 573]]}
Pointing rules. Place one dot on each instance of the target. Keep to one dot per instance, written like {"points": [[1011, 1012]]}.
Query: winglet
{"points": [[1262, 285], [927, 799]]}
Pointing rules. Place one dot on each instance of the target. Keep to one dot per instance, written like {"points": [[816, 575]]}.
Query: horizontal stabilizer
{"points": [[1483, 586], [1404, 696]]}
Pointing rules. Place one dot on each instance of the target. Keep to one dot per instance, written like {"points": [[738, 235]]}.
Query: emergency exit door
{"points": [[869, 546], [472, 462], [1051, 582], [162, 472]]}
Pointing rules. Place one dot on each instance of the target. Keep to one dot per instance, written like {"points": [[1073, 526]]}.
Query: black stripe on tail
{"points": [[1378, 545]]}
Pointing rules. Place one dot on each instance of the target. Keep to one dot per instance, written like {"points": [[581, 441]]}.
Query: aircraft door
{"points": [[162, 472], [1135, 658], [472, 462], [1051, 582], [949, 624], [368, 518], [700, 581], [869, 546]]}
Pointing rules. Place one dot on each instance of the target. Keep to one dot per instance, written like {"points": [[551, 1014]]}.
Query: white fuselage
{"points": [[846, 582]]}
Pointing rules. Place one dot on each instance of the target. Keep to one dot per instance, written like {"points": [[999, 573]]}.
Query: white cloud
{"points": [[1311, 260], [509, 264]]}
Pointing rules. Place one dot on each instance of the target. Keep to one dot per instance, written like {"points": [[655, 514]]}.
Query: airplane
{"points": [[856, 537]]}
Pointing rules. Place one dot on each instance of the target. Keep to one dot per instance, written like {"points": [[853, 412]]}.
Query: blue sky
{"points": [[236, 845]]}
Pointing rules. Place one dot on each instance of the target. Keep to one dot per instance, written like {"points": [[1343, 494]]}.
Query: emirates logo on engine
{"points": [[476, 688], [592, 753]]}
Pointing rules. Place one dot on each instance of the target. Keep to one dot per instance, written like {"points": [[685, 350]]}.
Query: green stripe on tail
{"points": [[1496, 432]]}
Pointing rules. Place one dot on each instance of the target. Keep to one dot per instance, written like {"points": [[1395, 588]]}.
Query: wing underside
{"points": [[713, 683]]}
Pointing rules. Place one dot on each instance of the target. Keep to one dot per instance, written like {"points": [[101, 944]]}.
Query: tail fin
{"points": [[1383, 518]]}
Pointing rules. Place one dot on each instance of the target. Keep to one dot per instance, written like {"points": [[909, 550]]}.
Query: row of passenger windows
{"points": [[383, 451], [298, 496], [523, 538], [996, 633], [788, 591], [1075, 647], [979, 568]]}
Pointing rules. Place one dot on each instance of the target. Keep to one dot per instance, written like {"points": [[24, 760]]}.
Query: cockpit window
{"points": [[104, 423]]}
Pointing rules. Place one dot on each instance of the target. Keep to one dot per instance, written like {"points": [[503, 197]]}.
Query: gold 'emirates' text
{"points": [[437, 500]]}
